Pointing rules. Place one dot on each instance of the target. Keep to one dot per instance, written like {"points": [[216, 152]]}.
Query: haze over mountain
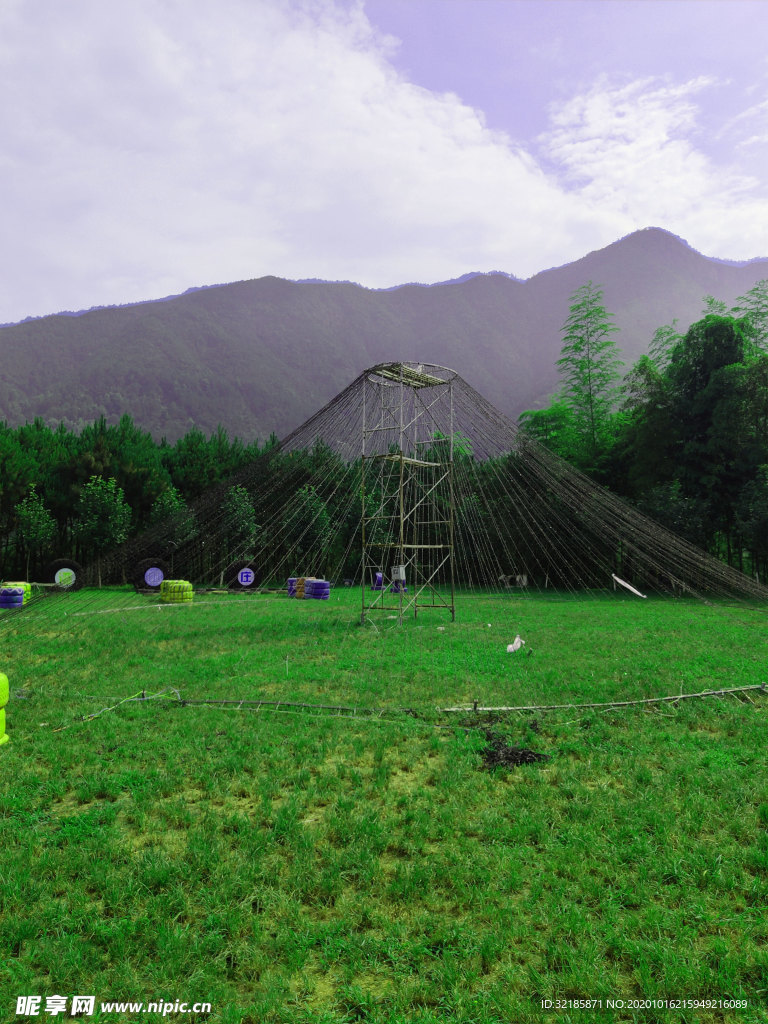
{"points": [[263, 355]]}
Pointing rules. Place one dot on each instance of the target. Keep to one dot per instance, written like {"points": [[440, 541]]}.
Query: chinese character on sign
{"points": [[245, 576], [55, 1004], [28, 1005], [83, 1004]]}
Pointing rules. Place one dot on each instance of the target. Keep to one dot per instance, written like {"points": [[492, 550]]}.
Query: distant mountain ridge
{"points": [[262, 355]]}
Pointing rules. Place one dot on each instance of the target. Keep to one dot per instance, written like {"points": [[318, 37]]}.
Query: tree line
{"points": [[64, 494], [683, 435]]}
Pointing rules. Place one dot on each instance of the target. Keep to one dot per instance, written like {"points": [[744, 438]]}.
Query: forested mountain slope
{"points": [[261, 356]]}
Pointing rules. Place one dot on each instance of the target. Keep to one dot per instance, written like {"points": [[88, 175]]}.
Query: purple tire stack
{"points": [[11, 597], [319, 590]]}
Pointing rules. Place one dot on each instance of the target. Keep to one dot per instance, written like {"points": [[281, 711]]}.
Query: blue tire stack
{"points": [[319, 590], [292, 586]]}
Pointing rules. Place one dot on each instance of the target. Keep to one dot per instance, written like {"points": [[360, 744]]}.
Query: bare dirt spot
{"points": [[498, 754]]}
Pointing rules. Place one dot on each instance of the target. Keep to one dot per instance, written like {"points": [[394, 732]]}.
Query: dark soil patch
{"points": [[499, 754]]}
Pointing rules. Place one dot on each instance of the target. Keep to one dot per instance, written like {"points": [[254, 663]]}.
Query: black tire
{"points": [[232, 580], [139, 575], [64, 563]]}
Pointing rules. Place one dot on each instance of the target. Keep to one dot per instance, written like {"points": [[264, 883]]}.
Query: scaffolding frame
{"points": [[407, 499]]}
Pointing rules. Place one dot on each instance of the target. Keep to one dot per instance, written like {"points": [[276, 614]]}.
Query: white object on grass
{"points": [[516, 644], [624, 583]]}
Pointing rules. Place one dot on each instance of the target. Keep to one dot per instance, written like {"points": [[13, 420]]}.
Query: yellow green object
{"points": [[176, 591], [4, 694]]}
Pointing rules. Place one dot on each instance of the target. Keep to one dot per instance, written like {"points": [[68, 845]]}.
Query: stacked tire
{"points": [[149, 574], [301, 584], [64, 574], [176, 591], [292, 581], [11, 595], [318, 590], [242, 576], [3, 701], [27, 587]]}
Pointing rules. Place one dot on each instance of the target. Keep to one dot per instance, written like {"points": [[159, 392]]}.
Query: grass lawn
{"points": [[301, 866]]}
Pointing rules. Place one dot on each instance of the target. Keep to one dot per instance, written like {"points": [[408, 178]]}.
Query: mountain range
{"points": [[261, 356]]}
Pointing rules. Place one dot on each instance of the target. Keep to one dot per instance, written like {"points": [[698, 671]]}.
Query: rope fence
{"points": [[395, 715]]}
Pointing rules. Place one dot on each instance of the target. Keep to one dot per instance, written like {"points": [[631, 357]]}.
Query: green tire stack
{"points": [[3, 702], [176, 591]]}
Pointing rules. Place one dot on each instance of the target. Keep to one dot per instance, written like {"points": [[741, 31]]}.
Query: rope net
{"points": [[521, 517], [413, 454]]}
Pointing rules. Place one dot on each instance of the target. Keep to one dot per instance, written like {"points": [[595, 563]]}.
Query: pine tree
{"points": [[103, 517], [754, 306], [589, 366], [35, 526]]}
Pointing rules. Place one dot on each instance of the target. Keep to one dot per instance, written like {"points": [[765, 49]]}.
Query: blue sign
{"points": [[153, 577], [246, 577]]}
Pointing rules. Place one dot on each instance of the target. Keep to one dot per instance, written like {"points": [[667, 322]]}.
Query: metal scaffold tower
{"points": [[407, 490]]}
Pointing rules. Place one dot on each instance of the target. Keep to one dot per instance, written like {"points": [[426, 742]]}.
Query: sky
{"points": [[151, 146]]}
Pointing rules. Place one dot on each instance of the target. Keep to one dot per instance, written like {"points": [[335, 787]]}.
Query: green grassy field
{"points": [[302, 866]]}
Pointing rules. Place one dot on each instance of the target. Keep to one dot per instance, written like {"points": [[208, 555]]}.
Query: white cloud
{"points": [[156, 144], [152, 145], [628, 141], [638, 149], [749, 128]]}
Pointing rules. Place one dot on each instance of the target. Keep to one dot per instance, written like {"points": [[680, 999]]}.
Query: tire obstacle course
{"points": [[448, 487], [62, 575]]}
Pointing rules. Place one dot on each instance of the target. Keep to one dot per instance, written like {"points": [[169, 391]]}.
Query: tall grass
{"points": [[297, 867]]}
